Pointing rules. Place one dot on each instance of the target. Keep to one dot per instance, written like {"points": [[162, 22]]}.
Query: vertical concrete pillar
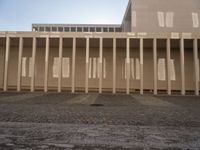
{"points": [[6, 63], [182, 63], [100, 63], [155, 68], [168, 67], [60, 64], [128, 66], [46, 65], [114, 65], [33, 65], [141, 67], [87, 64], [73, 64], [196, 69], [19, 64]]}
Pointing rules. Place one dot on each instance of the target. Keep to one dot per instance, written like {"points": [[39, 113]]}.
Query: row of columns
{"points": [[168, 52]]}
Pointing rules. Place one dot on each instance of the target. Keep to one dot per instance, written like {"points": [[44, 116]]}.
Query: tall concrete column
{"points": [[196, 69], [33, 65], [46, 65], [100, 63], [73, 64], [182, 63], [60, 64], [19, 64], [141, 67], [155, 66], [114, 65], [168, 67], [87, 64], [6, 63], [127, 66]]}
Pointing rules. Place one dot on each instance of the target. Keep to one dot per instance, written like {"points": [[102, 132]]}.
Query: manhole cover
{"points": [[96, 105]]}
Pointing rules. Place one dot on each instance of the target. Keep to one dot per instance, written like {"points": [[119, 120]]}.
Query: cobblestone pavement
{"points": [[93, 121]]}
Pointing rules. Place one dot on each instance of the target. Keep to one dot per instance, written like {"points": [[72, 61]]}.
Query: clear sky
{"points": [[18, 15]]}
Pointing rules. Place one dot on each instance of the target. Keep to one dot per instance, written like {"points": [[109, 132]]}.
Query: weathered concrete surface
{"points": [[68, 121], [71, 136]]}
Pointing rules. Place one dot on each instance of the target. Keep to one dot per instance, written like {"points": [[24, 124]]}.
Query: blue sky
{"points": [[18, 15]]}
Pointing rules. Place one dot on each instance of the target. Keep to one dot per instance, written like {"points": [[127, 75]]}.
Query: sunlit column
{"points": [[73, 64], [87, 65], [46, 65], [155, 66], [33, 65], [196, 70], [182, 62], [19, 64], [114, 65], [168, 67], [127, 66], [60, 64], [100, 64], [6, 63], [141, 67]]}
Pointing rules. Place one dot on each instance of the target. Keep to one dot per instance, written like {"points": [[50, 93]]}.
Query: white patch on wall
{"points": [[137, 63], [30, 67], [24, 62], [161, 69], [173, 73], [104, 68], [134, 19], [161, 19], [195, 20], [125, 69], [90, 68], [169, 19], [66, 67], [55, 67], [98, 67], [165, 19], [94, 68], [132, 68]]}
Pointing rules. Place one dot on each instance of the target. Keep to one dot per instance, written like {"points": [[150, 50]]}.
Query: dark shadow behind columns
{"points": [[2, 60], [13, 63]]}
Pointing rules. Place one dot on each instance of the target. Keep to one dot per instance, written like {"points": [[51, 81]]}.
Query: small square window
{"points": [[54, 29], [41, 29], [66, 29], [79, 29], [105, 29], [85, 29], [111, 29], [60, 29], [47, 29], [98, 29], [92, 29], [118, 30], [73, 29]]}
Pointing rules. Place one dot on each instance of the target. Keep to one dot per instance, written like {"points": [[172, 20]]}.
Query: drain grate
{"points": [[97, 105]]}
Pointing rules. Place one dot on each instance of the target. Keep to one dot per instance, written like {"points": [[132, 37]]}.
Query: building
{"points": [[155, 49]]}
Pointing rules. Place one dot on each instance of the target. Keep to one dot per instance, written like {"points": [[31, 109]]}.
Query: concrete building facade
{"points": [[155, 49]]}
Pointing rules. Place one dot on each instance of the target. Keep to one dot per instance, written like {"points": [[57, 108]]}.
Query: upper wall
{"points": [[162, 16]]}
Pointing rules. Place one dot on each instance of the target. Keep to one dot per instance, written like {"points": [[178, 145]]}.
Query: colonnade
{"points": [[114, 39]]}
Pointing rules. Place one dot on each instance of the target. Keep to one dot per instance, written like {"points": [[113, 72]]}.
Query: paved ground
{"points": [[68, 121]]}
